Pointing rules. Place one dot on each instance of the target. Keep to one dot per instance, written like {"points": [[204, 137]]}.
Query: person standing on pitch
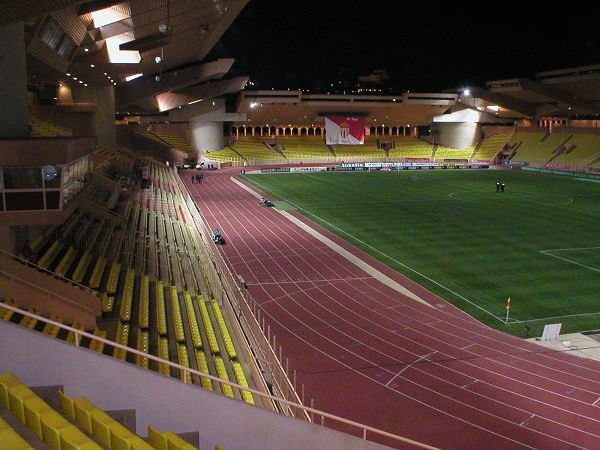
{"points": [[497, 186]]}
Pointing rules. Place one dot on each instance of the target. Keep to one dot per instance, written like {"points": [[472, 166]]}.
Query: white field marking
{"points": [[470, 383], [420, 358], [570, 261], [500, 319], [569, 249], [596, 402], [526, 421], [556, 317], [569, 200]]}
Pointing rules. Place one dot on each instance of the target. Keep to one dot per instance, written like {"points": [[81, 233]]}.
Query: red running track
{"points": [[368, 353]]}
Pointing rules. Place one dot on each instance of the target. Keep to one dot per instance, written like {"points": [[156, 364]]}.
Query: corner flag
{"points": [[507, 309]]}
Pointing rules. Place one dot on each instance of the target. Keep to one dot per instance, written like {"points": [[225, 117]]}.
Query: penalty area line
{"points": [[556, 317], [264, 188], [545, 252]]}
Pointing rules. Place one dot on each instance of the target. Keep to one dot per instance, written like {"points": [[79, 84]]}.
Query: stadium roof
{"points": [[565, 93], [295, 107], [104, 42]]}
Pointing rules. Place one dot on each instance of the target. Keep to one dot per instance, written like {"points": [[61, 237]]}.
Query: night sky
{"points": [[422, 45]]}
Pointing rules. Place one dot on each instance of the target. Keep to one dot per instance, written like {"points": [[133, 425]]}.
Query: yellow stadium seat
{"points": [[157, 439], [17, 395], [35, 408], [67, 405], [101, 426], [73, 439], [52, 426], [83, 414], [10, 439], [177, 443], [7, 380]]}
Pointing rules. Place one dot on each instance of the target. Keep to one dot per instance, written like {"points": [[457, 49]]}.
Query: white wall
{"points": [[457, 135], [206, 135], [163, 402]]}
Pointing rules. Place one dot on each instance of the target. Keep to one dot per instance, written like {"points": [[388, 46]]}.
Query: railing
{"points": [[219, 275], [47, 272], [364, 429]]}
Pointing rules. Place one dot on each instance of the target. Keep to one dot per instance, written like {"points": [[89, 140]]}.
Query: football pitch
{"points": [[450, 231]]}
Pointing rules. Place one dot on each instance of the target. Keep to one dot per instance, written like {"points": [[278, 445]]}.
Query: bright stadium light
{"points": [[253, 105], [133, 77], [466, 92]]}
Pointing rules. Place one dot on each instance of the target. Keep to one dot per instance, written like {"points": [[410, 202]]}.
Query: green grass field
{"points": [[538, 242]]}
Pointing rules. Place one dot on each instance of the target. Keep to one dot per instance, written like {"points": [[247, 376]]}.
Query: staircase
{"points": [[278, 148], [236, 152], [47, 292], [475, 150], [435, 147], [331, 150]]}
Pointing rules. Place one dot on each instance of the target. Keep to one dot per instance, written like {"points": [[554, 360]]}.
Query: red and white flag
{"points": [[344, 130]]}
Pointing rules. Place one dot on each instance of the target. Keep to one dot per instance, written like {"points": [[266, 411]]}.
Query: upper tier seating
{"points": [[42, 128], [168, 140]]}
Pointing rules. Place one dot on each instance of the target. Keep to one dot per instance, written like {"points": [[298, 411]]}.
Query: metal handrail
{"points": [[80, 333], [47, 272]]}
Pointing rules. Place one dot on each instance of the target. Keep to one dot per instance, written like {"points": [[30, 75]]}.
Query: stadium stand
{"points": [[253, 148], [130, 262], [528, 147], [490, 147], [579, 149], [65, 423], [444, 153], [307, 147], [168, 140], [42, 128], [410, 147], [225, 155], [368, 150]]}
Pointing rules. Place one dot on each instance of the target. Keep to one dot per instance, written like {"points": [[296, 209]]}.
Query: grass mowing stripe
{"points": [[382, 253]]}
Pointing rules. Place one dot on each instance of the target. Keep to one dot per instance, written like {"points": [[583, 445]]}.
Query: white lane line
{"points": [[596, 402], [526, 421], [420, 358], [569, 260]]}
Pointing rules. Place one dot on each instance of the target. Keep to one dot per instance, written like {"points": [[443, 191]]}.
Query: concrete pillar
{"points": [[14, 114], [206, 136], [103, 124]]}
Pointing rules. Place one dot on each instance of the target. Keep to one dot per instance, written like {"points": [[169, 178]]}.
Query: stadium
{"points": [[193, 258]]}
